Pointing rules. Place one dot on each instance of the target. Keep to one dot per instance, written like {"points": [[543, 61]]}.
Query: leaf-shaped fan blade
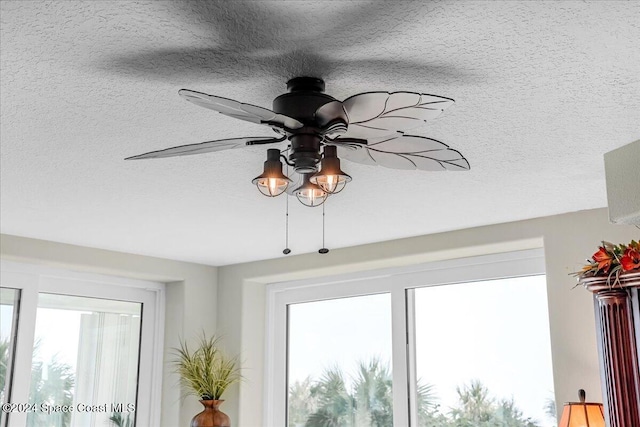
{"points": [[381, 114], [360, 155], [332, 118], [206, 147], [406, 152], [238, 110]]}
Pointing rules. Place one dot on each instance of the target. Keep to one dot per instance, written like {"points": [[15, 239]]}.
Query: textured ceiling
{"points": [[542, 90]]}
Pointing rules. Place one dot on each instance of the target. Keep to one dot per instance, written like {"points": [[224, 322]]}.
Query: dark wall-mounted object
{"points": [[617, 309]]}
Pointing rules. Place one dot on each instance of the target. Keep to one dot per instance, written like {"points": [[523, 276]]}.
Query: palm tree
{"points": [[550, 408], [54, 388], [51, 384], [373, 393], [336, 406], [120, 421], [4, 364], [475, 407], [368, 401], [429, 414], [508, 415], [300, 403]]}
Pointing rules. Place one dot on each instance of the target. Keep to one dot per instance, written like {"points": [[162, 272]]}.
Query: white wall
{"points": [[191, 294], [568, 239]]}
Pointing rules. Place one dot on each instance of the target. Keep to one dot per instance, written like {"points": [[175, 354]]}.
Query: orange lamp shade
{"points": [[582, 414]]}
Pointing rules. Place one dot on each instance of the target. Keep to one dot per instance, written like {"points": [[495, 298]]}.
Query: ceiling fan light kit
{"points": [[310, 194], [272, 182], [330, 177]]}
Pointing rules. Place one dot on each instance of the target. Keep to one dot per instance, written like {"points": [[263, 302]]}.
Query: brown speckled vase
{"points": [[211, 416]]}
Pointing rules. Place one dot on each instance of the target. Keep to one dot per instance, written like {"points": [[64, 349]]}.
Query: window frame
{"points": [[33, 279], [7, 388], [396, 281]]}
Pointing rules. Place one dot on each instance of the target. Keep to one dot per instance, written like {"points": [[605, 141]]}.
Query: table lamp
{"points": [[582, 414]]}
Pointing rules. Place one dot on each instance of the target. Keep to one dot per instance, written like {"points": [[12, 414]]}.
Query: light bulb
{"points": [[273, 184], [330, 183], [272, 187]]}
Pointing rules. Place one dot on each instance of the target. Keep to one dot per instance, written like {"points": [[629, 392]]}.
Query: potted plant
{"points": [[207, 372]]}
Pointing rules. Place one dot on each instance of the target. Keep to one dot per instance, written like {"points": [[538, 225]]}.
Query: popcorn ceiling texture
{"points": [[542, 90]]}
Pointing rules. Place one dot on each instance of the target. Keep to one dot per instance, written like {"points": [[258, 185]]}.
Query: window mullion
{"points": [[410, 345], [276, 373], [399, 355]]}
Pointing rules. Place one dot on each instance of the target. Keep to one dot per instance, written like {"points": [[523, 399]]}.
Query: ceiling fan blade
{"points": [[332, 118], [406, 144], [239, 110], [406, 152], [381, 114], [207, 147], [356, 155], [352, 149]]}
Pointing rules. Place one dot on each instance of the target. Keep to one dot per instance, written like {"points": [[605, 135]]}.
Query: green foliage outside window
{"points": [[365, 400], [51, 384]]}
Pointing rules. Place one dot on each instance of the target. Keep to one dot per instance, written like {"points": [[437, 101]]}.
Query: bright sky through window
{"points": [[494, 332]]}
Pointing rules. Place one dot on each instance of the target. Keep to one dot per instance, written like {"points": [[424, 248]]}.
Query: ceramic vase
{"points": [[211, 416]]}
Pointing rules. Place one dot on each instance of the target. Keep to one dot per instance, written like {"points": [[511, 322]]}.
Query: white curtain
{"points": [[107, 367]]}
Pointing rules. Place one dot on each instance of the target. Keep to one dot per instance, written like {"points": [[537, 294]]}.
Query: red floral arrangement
{"points": [[612, 260]]}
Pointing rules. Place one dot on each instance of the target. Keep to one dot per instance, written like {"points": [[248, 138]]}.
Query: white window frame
{"points": [[396, 282], [33, 279]]}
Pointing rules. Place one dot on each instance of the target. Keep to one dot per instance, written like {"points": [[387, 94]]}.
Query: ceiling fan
{"points": [[367, 128]]}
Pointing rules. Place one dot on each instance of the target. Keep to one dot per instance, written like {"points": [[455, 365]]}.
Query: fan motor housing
{"points": [[304, 98], [305, 152]]}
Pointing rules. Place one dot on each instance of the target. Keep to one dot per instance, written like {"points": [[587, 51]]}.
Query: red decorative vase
{"points": [[211, 416]]}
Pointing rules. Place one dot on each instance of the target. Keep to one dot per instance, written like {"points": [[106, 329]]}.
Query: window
{"points": [[484, 344], [9, 303], [84, 350], [338, 375], [438, 344]]}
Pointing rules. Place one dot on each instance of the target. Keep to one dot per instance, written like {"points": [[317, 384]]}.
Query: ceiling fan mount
{"points": [[368, 128], [305, 84]]}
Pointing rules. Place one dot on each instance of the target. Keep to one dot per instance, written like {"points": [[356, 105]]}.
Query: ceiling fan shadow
{"points": [[241, 41], [222, 65], [255, 26]]}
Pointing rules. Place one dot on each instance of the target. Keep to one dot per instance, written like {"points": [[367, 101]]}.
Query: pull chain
{"points": [[286, 250], [323, 250]]}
